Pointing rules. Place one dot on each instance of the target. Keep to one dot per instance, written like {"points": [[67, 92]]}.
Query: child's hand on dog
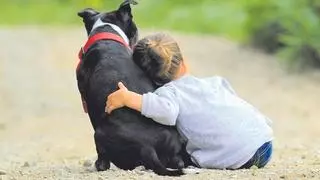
{"points": [[123, 97], [116, 99]]}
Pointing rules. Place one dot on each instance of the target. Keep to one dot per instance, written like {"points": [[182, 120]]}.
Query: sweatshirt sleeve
{"points": [[161, 106]]}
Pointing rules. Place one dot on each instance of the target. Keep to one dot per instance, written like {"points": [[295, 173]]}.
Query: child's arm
{"points": [[123, 97], [161, 107]]}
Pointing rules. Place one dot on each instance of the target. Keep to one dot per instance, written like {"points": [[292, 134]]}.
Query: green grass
{"points": [[206, 16], [44, 12], [201, 17], [238, 20]]}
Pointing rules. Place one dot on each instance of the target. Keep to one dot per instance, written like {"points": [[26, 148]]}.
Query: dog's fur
{"points": [[125, 137]]}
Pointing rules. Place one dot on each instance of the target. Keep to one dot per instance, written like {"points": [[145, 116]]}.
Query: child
{"points": [[222, 130]]}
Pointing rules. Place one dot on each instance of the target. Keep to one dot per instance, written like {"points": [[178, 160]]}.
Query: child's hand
{"points": [[117, 99]]}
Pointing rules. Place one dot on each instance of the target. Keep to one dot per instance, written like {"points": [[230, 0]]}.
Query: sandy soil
{"points": [[45, 135]]}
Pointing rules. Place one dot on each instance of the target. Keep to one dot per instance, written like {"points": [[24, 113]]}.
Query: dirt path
{"points": [[45, 135]]}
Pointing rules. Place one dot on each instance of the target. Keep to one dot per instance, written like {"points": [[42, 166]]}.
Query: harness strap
{"points": [[99, 36]]}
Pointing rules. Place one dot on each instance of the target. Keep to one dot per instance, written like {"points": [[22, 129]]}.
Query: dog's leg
{"points": [[173, 161], [176, 162], [186, 157], [151, 161], [103, 162]]}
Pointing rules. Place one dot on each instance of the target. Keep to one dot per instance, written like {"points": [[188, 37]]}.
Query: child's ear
{"points": [[184, 68]]}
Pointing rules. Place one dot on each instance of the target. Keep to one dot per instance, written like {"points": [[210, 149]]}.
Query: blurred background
{"points": [[269, 50], [286, 27]]}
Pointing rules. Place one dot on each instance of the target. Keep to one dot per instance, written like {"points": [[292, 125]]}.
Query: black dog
{"points": [[125, 137]]}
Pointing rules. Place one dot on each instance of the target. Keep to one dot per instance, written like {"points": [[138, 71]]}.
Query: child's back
{"points": [[223, 131]]}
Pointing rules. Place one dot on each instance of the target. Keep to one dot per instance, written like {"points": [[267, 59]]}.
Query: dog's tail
{"points": [[152, 161]]}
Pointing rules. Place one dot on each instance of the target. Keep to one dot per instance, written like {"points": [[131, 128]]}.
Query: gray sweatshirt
{"points": [[221, 129]]}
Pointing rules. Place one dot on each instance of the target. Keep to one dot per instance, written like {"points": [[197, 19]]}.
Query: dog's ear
{"points": [[89, 16], [87, 13], [125, 9]]}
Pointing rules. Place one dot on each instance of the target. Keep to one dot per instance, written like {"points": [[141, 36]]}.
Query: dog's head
{"points": [[121, 17]]}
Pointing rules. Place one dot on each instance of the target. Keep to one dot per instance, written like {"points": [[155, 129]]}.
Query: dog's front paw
{"points": [[102, 165]]}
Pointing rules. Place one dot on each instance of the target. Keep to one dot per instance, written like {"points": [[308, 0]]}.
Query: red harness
{"points": [[97, 37], [93, 39]]}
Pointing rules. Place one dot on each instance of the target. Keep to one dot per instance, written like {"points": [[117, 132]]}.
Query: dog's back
{"points": [[106, 64], [113, 65], [124, 137]]}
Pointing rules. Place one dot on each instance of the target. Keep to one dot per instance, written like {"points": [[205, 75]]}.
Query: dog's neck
{"points": [[99, 23]]}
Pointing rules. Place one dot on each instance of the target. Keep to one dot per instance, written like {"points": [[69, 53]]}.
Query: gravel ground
{"points": [[45, 135]]}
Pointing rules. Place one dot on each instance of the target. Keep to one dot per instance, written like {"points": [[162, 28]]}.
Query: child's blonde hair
{"points": [[159, 56]]}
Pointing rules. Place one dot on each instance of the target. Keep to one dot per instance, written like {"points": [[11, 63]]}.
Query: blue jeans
{"points": [[261, 157]]}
